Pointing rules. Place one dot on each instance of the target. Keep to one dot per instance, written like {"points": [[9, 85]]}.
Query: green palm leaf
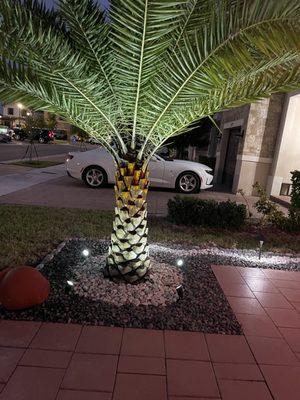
{"points": [[143, 73], [149, 68], [238, 40]]}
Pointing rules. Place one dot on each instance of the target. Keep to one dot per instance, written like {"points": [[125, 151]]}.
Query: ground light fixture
{"points": [[85, 252], [179, 291], [261, 242], [69, 286], [179, 262]]}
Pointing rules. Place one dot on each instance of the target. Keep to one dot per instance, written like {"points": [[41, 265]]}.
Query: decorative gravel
{"points": [[153, 304], [159, 288]]}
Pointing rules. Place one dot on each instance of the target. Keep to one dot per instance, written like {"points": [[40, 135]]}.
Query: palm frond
{"points": [[148, 69], [48, 52], [20, 84], [237, 41], [89, 33], [141, 34]]}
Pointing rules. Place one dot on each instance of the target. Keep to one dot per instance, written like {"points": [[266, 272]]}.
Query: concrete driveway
{"points": [[66, 192], [51, 187]]}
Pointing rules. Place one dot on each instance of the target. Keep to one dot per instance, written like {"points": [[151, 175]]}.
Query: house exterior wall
{"points": [[15, 109], [61, 124], [287, 150], [260, 124], [18, 115], [255, 162]]}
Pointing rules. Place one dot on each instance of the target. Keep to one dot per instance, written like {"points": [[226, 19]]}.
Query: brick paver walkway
{"points": [[70, 362]]}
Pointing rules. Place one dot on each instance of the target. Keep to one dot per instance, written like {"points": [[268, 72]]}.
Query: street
{"points": [[16, 150]]}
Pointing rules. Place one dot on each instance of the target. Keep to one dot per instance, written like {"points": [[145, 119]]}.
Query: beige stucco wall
{"points": [[262, 127], [261, 122], [255, 162], [248, 172], [287, 155]]}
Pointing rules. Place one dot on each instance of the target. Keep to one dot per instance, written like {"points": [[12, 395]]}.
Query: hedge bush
{"points": [[294, 211], [194, 211], [295, 194], [271, 214]]}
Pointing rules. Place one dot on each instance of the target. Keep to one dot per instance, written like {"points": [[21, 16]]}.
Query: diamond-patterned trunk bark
{"points": [[128, 256]]}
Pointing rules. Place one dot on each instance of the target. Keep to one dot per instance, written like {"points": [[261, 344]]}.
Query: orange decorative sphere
{"points": [[23, 287], [3, 272]]}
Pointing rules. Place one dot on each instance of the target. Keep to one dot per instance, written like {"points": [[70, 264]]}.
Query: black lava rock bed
{"points": [[203, 307]]}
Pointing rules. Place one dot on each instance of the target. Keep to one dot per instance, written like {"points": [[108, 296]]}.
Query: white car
{"points": [[97, 168]]}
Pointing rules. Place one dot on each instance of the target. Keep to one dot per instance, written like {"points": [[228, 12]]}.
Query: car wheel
{"points": [[94, 177], [17, 137], [188, 182], [41, 140]]}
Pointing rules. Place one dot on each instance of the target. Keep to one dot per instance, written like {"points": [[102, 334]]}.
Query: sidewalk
{"points": [[71, 362], [15, 178]]}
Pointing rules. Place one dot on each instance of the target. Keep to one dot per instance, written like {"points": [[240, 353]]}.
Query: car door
{"points": [[157, 171]]}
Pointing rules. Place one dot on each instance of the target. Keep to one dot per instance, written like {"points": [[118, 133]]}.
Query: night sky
{"points": [[51, 2]]}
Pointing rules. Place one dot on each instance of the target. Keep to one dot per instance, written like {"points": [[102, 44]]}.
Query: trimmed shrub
{"points": [[294, 211], [270, 210], [295, 194], [194, 211]]}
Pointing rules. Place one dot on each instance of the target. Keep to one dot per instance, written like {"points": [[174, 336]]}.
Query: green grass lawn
{"points": [[28, 232], [37, 163]]}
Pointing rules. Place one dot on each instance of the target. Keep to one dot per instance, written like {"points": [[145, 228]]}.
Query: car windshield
{"points": [[164, 153]]}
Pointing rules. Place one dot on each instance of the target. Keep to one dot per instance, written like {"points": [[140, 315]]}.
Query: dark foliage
{"points": [[294, 211], [193, 211]]}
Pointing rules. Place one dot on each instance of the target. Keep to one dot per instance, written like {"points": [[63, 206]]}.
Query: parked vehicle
{"points": [[96, 168], [19, 134], [4, 134], [60, 135], [42, 135], [5, 137]]}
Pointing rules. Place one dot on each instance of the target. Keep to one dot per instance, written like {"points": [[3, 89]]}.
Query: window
{"points": [[286, 189], [10, 111]]}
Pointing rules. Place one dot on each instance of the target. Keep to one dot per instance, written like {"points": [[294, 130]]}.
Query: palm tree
{"points": [[142, 73]]}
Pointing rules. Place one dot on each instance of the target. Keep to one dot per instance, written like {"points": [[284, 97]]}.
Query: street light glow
{"points": [[20, 106]]}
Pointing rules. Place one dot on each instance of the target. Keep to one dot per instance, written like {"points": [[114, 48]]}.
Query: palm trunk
{"points": [[128, 256]]}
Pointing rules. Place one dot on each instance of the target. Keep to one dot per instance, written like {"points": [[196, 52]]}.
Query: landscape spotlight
{"points": [[85, 252], [179, 263], [69, 287], [179, 291], [261, 242]]}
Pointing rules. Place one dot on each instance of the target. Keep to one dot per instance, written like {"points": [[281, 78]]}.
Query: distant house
{"points": [[14, 114]]}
